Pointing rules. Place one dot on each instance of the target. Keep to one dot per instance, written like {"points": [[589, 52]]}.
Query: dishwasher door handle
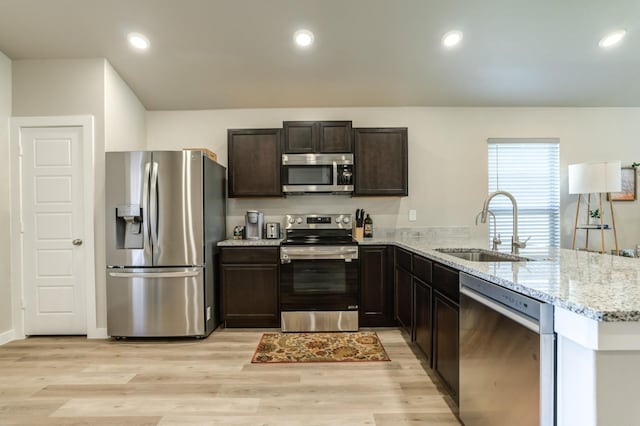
{"points": [[501, 309]]}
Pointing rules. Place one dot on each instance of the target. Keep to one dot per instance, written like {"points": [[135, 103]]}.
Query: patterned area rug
{"points": [[319, 347]]}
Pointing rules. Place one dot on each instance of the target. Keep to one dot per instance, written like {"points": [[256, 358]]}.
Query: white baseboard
{"points": [[98, 333], [7, 336]]}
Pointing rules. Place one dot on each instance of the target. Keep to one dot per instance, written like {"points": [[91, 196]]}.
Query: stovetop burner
{"points": [[319, 229]]}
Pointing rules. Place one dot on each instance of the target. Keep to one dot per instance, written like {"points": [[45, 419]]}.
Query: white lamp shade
{"points": [[604, 176]]}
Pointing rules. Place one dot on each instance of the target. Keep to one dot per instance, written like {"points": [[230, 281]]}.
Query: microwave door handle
{"points": [[335, 174]]}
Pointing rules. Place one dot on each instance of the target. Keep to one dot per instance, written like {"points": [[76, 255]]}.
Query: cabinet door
{"points": [[446, 357], [381, 161], [446, 281], [250, 295], [254, 163], [300, 137], [422, 317], [335, 136], [376, 287], [403, 293]]}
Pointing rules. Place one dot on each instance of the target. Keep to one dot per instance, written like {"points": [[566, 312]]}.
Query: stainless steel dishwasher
{"points": [[507, 357]]}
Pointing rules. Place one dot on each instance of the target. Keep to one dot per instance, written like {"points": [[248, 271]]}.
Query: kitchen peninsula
{"points": [[596, 299], [597, 312]]}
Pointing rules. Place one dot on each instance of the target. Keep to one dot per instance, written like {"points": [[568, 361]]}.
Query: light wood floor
{"points": [[72, 380]]}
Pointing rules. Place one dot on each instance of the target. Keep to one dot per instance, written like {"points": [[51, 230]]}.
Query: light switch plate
{"points": [[412, 215]]}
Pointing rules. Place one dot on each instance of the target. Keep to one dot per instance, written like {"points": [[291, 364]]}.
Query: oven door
{"points": [[319, 285]]}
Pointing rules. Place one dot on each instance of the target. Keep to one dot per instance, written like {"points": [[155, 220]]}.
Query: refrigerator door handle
{"points": [[153, 209], [145, 201], [184, 274]]}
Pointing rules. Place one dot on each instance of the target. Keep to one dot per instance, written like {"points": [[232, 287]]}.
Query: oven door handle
{"points": [[285, 260], [347, 256]]}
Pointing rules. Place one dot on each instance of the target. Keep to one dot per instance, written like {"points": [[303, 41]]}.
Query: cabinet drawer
{"points": [[403, 259], [269, 255], [445, 280], [422, 268]]}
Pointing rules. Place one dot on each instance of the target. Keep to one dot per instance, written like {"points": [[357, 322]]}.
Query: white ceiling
{"points": [[239, 53]]}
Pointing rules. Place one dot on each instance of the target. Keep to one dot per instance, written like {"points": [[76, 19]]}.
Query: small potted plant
{"points": [[595, 216]]}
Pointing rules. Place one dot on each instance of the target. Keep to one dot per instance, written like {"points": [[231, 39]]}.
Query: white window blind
{"points": [[530, 170]]}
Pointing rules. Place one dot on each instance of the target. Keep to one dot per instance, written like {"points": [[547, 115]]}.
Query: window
{"points": [[530, 170]]}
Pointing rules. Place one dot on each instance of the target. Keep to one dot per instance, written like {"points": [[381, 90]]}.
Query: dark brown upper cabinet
{"points": [[381, 161], [254, 162], [302, 137]]}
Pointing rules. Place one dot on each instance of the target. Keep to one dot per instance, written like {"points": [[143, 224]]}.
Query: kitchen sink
{"points": [[482, 255]]}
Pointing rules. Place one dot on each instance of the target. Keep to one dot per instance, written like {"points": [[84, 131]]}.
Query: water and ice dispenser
{"points": [[129, 233]]}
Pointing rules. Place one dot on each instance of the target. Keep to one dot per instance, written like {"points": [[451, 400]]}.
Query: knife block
{"points": [[358, 233]]}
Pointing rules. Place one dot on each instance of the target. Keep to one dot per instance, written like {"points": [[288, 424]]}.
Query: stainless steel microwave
{"points": [[317, 173]]}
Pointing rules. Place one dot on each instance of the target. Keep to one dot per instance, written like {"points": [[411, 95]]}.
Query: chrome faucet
{"points": [[516, 244], [496, 237]]}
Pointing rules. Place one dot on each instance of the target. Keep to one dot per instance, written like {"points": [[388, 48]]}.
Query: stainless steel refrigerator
{"points": [[166, 210]]}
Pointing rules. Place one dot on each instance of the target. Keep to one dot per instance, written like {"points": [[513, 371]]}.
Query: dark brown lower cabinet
{"points": [[249, 291], [404, 301], [422, 317], [426, 298], [446, 356], [376, 286]]}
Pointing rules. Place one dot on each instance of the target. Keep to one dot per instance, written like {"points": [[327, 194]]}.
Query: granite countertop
{"points": [[600, 287]]}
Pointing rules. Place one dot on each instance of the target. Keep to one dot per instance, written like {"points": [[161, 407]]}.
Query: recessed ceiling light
{"points": [[452, 38], [612, 39], [303, 38], [139, 41]]}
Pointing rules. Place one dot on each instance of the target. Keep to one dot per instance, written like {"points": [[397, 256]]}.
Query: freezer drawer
{"points": [[154, 302]]}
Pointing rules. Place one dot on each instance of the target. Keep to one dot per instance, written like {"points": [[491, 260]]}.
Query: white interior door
{"points": [[53, 226]]}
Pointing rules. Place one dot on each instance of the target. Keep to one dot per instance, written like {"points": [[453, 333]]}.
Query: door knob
{"points": [[77, 242]]}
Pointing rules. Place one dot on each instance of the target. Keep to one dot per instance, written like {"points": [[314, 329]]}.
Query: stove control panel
{"points": [[318, 221]]}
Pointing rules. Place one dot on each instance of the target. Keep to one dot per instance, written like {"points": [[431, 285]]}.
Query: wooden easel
{"points": [[588, 228]]}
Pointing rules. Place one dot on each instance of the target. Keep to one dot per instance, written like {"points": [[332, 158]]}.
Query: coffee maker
{"points": [[254, 222]]}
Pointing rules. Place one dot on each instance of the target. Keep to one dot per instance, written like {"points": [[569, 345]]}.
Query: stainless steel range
{"points": [[319, 275]]}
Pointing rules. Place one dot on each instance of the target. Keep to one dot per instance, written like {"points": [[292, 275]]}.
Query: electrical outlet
{"points": [[412, 215]]}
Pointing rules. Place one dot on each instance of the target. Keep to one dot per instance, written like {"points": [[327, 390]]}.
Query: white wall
{"points": [[447, 156], [124, 115], [5, 196], [70, 87]]}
